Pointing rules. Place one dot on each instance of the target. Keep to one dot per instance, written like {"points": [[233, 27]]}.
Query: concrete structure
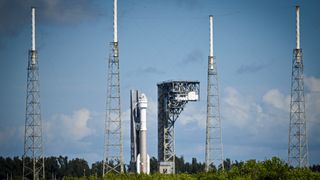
{"points": [[298, 144]]}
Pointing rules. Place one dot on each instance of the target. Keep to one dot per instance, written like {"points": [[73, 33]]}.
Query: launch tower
{"points": [[172, 98]]}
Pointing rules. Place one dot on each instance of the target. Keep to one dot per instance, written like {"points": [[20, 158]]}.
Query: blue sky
{"points": [[158, 41]]}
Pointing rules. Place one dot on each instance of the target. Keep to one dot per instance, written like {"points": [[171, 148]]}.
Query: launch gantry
{"points": [[172, 98]]}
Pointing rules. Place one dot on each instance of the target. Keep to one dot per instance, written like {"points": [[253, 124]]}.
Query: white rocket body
{"points": [[143, 160]]}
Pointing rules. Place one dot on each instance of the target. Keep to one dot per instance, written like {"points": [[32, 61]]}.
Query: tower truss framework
{"points": [[172, 98], [33, 159], [113, 146], [298, 145], [214, 147]]}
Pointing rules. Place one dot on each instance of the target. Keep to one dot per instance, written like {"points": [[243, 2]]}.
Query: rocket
{"points": [[143, 159]]}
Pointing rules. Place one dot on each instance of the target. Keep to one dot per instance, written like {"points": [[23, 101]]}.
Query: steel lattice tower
{"points": [[298, 146], [113, 146], [172, 98], [214, 147], [33, 160]]}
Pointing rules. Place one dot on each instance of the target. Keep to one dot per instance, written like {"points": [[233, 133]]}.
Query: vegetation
{"points": [[77, 169]]}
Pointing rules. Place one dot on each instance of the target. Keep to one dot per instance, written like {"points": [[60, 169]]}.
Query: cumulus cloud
{"points": [[278, 100], [313, 84], [312, 99], [193, 114], [77, 124], [240, 110], [281, 102], [74, 127]]}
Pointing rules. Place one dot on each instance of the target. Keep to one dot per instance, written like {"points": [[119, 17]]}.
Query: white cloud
{"points": [[278, 100], [77, 124], [240, 110], [312, 83], [70, 127], [193, 113]]}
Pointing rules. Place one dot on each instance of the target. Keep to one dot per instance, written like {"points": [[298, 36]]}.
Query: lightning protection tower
{"points": [[214, 148], [113, 147], [298, 146], [33, 160]]}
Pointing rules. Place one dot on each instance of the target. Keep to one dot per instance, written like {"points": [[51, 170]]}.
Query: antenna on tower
{"points": [[211, 41], [113, 145], [214, 147], [33, 43], [298, 27], [115, 21], [33, 160], [298, 144]]}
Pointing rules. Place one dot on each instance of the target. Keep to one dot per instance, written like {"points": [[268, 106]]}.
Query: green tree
{"points": [[51, 167], [96, 169], [153, 165], [78, 168], [179, 163]]}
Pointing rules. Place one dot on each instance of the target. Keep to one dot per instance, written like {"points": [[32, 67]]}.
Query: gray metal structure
{"points": [[134, 131], [113, 145], [33, 160], [214, 147], [298, 145], [172, 98]]}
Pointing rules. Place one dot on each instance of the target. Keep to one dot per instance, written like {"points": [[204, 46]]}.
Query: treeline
{"points": [[63, 168], [55, 167]]}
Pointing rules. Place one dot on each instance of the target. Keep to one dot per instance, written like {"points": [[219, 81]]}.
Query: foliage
{"points": [[78, 169]]}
